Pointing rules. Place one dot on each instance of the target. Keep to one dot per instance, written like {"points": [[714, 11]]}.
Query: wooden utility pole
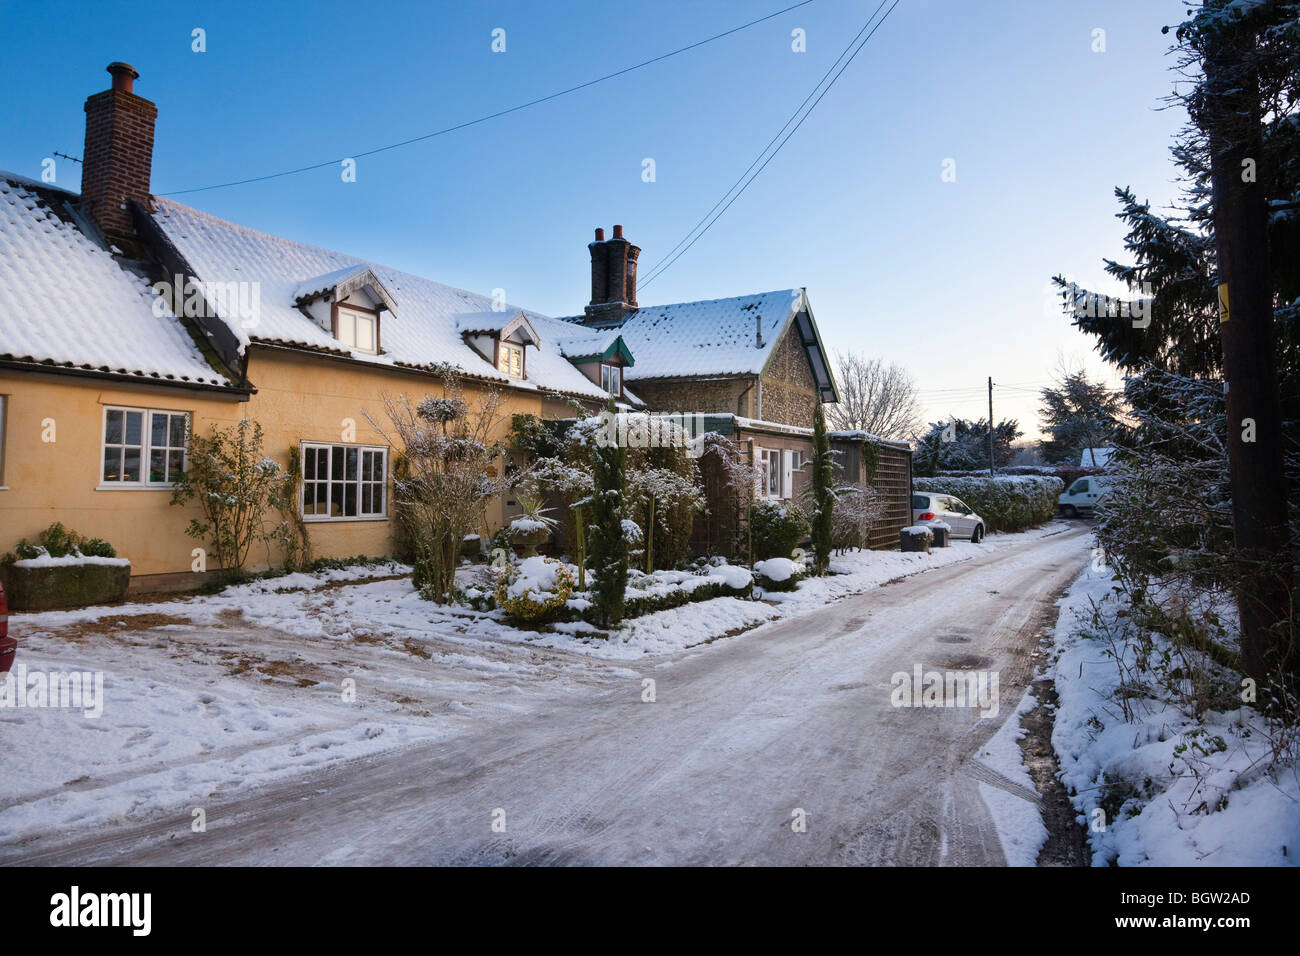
{"points": [[1231, 117], [990, 426]]}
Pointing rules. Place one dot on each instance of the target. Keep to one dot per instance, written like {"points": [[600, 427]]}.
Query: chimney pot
{"points": [[124, 76], [618, 232], [600, 235]]}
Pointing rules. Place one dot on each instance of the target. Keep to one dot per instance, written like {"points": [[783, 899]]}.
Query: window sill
{"points": [[323, 519], [125, 487]]}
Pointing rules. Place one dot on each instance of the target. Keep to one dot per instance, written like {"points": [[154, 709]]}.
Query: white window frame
{"points": [[146, 447], [611, 379], [769, 458], [328, 483], [352, 317], [504, 351]]}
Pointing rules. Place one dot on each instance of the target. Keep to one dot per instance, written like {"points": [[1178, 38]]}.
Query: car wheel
{"points": [[977, 535], [1070, 511]]}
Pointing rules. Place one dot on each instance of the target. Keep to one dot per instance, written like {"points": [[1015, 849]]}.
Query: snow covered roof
{"points": [[504, 324], [421, 333], [596, 344], [65, 301], [735, 336], [341, 283]]}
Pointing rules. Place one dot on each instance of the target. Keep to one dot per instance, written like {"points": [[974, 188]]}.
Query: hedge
{"points": [[1006, 503]]}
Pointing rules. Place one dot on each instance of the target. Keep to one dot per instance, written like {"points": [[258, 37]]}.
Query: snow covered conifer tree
{"points": [[823, 491], [607, 546]]}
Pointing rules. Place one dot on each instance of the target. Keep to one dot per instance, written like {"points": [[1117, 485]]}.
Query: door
{"points": [[962, 520]]}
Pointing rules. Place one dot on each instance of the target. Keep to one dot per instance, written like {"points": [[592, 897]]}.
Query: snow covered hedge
{"points": [[1006, 503]]}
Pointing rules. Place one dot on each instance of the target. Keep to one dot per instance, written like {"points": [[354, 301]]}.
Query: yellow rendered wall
{"points": [[299, 398]]}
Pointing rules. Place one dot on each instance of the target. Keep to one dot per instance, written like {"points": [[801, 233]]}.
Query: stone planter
{"points": [[941, 537], [526, 541], [49, 587], [914, 542]]}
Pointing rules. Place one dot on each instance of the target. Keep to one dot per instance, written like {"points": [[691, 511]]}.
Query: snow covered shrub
{"points": [[234, 485], [665, 501], [449, 475], [857, 509], [1006, 503], [57, 541], [778, 574], [535, 589], [776, 528]]}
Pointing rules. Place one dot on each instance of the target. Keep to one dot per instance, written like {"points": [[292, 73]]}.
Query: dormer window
{"points": [[357, 329], [510, 359], [611, 379]]}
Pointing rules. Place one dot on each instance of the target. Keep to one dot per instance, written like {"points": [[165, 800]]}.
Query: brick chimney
{"points": [[613, 278], [118, 155]]}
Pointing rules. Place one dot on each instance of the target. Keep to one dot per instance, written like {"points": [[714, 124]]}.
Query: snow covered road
{"points": [[744, 738]]}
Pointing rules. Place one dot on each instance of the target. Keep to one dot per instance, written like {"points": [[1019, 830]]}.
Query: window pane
{"points": [[336, 464], [113, 429], [377, 499], [379, 466], [336, 500], [175, 464], [516, 362], [158, 431], [352, 464], [347, 334], [134, 427], [131, 464], [503, 361], [112, 464], [177, 431], [157, 465], [365, 333], [367, 465], [365, 499], [309, 463], [350, 500], [309, 498]]}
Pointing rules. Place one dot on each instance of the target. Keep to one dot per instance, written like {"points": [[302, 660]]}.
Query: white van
{"points": [[1082, 496]]}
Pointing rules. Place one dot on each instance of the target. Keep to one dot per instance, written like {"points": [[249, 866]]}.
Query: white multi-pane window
{"points": [[341, 482], [611, 379], [358, 330], [143, 447], [510, 360], [776, 472]]}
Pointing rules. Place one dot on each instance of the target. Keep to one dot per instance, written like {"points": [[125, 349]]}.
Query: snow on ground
{"points": [[219, 693], [1175, 791], [1019, 822]]}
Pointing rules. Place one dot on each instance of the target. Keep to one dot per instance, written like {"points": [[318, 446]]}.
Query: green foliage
{"points": [[529, 433], [1005, 503], [1077, 414], [776, 528], [607, 546], [59, 542], [235, 486], [823, 492], [961, 445]]}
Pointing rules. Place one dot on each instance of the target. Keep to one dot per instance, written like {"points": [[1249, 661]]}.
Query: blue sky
{"points": [[946, 278]]}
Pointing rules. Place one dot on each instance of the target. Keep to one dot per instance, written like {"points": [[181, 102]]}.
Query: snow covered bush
{"points": [[778, 574], [234, 485], [857, 510], [535, 589], [1006, 502], [57, 541], [776, 528], [449, 470]]}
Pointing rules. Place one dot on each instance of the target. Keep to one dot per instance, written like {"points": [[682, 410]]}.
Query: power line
{"points": [[664, 268], [491, 116], [763, 152]]}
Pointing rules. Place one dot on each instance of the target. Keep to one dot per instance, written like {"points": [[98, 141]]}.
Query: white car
{"points": [[1082, 496], [929, 507]]}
